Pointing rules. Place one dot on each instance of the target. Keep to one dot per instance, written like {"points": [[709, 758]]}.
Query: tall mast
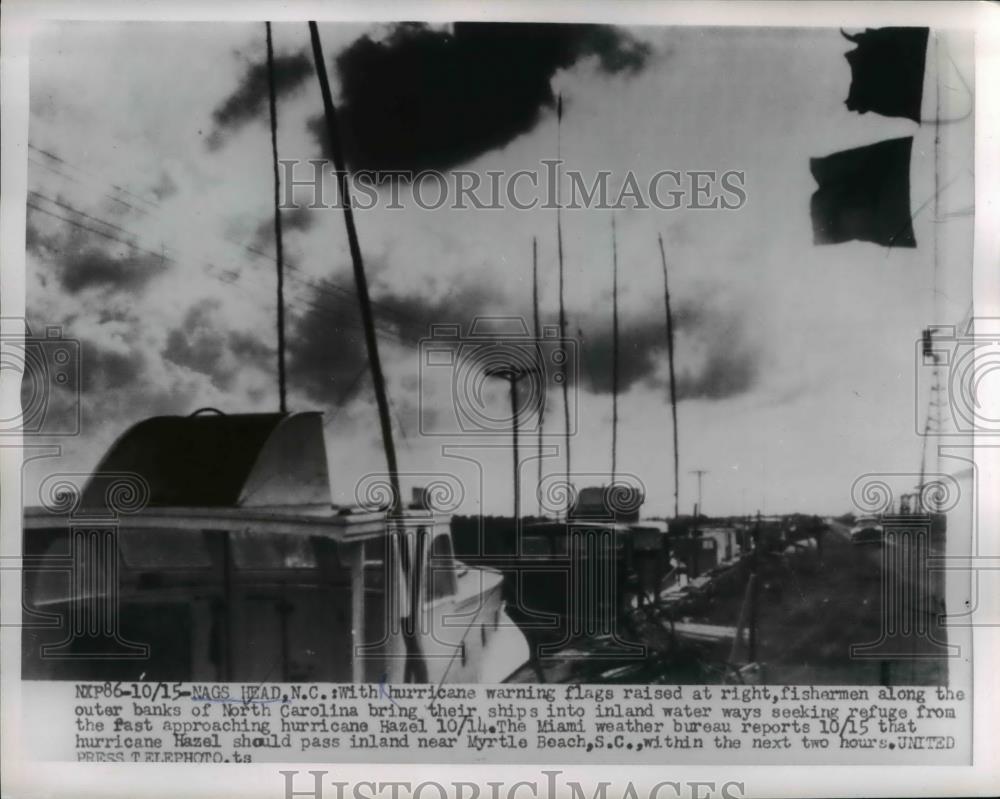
{"points": [[360, 280], [614, 354], [415, 669], [562, 294], [279, 250], [673, 382], [538, 338]]}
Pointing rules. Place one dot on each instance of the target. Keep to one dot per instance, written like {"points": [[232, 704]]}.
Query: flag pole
{"points": [[673, 381]]}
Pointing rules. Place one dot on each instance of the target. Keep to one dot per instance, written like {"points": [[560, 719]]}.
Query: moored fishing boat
{"points": [[207, 548]]}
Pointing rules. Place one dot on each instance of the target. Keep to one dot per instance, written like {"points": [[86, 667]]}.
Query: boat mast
{"points": [[538, 348], [614, 355], [673, 382], [562, 297], [279, 250], [360, 280], [416, 668]]}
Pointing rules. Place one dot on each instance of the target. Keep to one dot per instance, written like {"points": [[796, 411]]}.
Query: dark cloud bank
{"points": [[419, 98], [727, 363]]}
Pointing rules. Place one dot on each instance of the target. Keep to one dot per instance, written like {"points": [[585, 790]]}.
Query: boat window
{"points": [[442, 567], [164, 549], [258, 550]]}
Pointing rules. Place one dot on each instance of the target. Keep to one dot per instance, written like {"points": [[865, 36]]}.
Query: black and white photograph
{"points": [[585, 359]]}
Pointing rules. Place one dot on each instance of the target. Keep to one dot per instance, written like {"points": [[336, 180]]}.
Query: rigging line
{"points": [[279, 251], [67, 207], [291, 267], [921, 207], [79, 182], [319, 288], [98, 232], [388, 335], [347, 393], [246, 247], [80, 169], [965, 84], [234, 280]]}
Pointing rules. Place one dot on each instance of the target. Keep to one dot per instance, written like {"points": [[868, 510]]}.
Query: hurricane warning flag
{"points": [[887, 71], [864, 195]]}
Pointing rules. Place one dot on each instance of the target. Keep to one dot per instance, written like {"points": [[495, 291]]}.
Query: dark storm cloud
{"points": [[327, 352], [724, 363], [196, 344], [431, 99], [106, 369], [640, 346], [96, 268], [249, 100], [79, 264], [728, 370], [202, 346], [250, 349]]}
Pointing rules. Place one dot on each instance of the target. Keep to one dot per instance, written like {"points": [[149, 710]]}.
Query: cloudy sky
{"points": [[149, 240]]}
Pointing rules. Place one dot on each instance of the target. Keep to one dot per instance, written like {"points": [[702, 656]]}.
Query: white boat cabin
{"points": [[207, 548]]}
